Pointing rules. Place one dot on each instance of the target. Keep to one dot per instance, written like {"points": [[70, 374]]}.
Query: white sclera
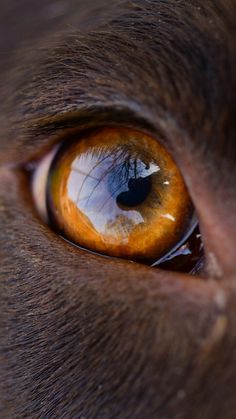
{"points": [[39, 183]]}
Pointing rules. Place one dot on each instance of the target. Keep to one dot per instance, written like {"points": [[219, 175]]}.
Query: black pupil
{"points": [[138, 190], [130, 183]]}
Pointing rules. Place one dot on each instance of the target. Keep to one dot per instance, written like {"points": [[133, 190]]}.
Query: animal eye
{"points": [[115, 191]]}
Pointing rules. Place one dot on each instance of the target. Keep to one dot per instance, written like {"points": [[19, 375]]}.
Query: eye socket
{"points": [[118, 192]]}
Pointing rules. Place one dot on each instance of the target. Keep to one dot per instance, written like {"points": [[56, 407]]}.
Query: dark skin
{"points": [[83, 336]]}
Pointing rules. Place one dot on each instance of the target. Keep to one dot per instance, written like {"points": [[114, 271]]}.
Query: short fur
{"points": [[84, 336]]}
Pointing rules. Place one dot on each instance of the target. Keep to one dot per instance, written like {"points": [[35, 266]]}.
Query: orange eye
{"points": [[118, 192]]}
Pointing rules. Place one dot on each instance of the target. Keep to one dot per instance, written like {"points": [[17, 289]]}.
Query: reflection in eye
{"points": [[118, 192]]}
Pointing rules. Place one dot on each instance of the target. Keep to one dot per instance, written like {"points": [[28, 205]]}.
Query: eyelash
{"points": [[175, 257]]}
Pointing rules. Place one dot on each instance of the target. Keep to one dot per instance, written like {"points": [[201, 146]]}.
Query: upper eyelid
{"points": [[45, 133]]}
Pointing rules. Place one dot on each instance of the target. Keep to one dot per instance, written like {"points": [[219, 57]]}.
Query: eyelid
{"points": [[41, 134]]}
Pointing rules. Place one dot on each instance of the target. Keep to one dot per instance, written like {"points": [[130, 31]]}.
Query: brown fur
{"points": [[84, 336]]}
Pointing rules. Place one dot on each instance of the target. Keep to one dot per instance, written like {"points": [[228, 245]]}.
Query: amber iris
{"points": [[118, 192]]}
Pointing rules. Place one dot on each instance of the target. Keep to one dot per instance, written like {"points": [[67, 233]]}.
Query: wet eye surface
{"points": [[118, 192]]}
